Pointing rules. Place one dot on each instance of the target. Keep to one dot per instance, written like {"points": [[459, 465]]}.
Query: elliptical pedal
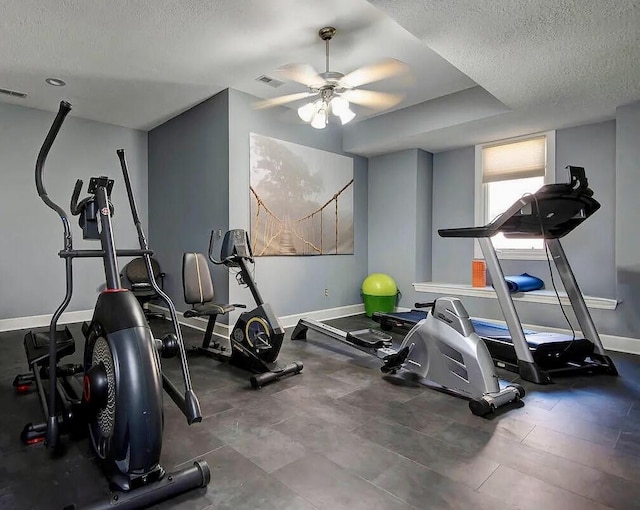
{"points": [[37, 346]]}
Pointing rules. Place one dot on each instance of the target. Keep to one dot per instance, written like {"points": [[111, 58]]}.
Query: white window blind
{"points": [[514, 160]]}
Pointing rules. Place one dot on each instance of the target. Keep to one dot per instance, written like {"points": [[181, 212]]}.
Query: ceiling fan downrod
{"points": [[326, 34]]}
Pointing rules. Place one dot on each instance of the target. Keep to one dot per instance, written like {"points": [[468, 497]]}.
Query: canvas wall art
{"points": [[301, 199]]}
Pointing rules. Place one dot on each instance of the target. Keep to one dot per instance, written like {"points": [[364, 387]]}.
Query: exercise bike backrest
{"points": [[235, 247]]}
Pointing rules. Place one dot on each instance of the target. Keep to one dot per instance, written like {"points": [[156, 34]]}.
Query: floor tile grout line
{"points": [[528, 433], [198, 457], [559, 487], [477, 489]]}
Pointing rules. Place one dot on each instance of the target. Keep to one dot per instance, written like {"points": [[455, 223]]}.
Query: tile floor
{"points": [[339, 436]]}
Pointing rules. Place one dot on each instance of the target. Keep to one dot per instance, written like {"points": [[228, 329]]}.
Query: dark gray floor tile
{"points": [[183, 442], [267, 448], [629, 443], [256, 415], [570, 422], [230, 472], [445, 458], [328, 486], [567, 474], [265, 493], [600, 457], [526, 492], [424, 488], [351, 451], [32, 478], [332, 411]]}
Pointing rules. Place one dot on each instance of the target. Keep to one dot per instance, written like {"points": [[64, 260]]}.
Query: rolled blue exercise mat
{"points": [[523, 283]]}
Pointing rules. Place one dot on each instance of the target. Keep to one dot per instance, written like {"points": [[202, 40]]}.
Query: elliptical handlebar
{"points": [[188, 403], [63, 111]]}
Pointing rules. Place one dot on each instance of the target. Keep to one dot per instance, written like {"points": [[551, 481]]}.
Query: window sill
{"points": [[513, 254], [547, 297]]}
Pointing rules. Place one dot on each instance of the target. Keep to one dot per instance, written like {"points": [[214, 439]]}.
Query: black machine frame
{"points": [[257, 336], [117, 335]]}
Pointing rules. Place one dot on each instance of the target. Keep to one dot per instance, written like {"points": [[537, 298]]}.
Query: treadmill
{"points": [[550, 213]]}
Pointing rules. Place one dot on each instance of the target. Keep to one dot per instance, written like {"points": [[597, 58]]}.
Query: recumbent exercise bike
{"points": [[257, 336]]}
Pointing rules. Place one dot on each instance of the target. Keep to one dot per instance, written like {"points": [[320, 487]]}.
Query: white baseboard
{"points": [[39, 321], [611, 342]]}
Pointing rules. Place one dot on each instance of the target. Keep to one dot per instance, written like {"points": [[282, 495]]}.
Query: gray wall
{"points": [[590, 248], [453, 206], [189, 189], [294, 284], [399, 219], [627, 217], [31, 273], [593, 147]]}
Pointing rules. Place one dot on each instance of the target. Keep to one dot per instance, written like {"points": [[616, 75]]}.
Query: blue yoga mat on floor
{"points": [[523, 283]]}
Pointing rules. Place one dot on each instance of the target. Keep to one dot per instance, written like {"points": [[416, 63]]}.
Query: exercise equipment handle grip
{"points": [[63, 111], [74, 197], [211, 244]]}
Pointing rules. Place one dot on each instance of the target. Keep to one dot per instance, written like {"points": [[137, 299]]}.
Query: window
{"points": [[505, 171]]}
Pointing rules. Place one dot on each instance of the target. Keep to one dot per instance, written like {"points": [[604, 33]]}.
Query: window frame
{"points": [[481, 194]]}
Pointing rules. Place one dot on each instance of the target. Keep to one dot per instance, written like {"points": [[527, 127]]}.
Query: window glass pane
{"points": [[500, 196]]}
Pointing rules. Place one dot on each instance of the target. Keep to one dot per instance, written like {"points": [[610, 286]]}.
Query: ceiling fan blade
{"points": [[277, 101], [375, 72], [373, 99], [301, 73]]}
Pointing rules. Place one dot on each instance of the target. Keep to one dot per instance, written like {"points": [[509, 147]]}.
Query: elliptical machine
{"points": [[120, 400], [446, 353], [257, 336]]}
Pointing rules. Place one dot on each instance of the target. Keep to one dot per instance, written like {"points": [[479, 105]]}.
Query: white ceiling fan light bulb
{"points": [[339, 105], [307, 112], [319, 120], [346, 116]]}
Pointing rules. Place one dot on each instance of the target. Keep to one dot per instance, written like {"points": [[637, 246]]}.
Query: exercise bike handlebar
{"points": [[63, 111]]}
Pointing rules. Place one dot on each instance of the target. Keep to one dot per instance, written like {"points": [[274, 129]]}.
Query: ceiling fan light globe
{"points": [[307, 112], [319, 120], [346, 116], [339, 105]]}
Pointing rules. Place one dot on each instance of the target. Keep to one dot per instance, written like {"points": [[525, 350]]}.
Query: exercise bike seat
{"points": [[207, 309]]}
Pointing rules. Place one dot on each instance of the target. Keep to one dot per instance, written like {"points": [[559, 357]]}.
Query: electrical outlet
{"points": [[326, 292], [219, 232]]}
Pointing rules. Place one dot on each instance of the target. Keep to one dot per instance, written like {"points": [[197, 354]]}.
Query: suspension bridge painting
{"points": [[301, 199]]}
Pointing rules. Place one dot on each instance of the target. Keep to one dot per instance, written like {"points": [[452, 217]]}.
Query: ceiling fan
{"points": [[332, 92]]}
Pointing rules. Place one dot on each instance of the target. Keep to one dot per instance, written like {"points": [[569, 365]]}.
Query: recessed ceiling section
{"points": [[555, 64], [402, 129]]}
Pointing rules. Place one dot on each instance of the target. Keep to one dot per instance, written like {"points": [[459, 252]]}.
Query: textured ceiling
{"points": [[138, 63], [554, 63], [543, 64]]}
